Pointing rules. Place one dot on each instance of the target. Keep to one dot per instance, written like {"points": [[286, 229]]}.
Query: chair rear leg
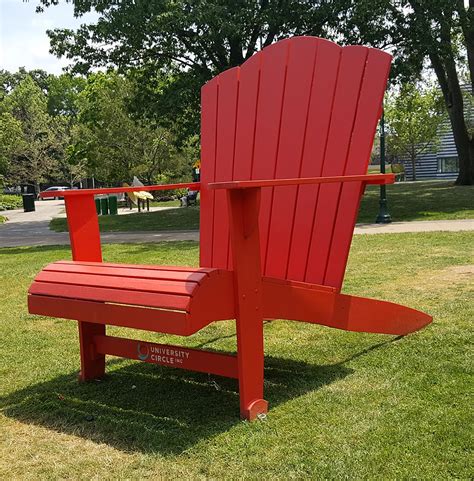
{"points": [[250, 357], [92, 364]]}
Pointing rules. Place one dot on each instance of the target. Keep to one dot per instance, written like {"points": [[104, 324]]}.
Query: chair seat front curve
{"points": [[172, 300]]}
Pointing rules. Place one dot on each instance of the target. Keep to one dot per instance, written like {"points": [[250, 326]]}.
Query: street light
{"points": [[383, 217]]}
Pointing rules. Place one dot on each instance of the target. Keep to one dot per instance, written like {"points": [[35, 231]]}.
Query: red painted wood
{"points": [[142, 266], [116, 190], [104, 269], [209, 121], [351, 70], [244, 210], [148, 285], [83, 228], [225, 144], [155, 320], [294, 116], [169, 356], [340, 311], [119, 296], [296, 105], [249, 85], [249, 90], [370, 98], [272, 89], [85, 245], [375, 179], [319, 117]]}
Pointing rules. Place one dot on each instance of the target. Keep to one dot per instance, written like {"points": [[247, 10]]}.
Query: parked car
{"points": [[54, 189]]}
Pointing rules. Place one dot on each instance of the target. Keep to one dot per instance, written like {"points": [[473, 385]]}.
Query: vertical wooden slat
{"points": [[368, 113], [209, 100], [249, 83], [226, 110], [323, 89], [342, 122], [270, 101], [296, 102]]}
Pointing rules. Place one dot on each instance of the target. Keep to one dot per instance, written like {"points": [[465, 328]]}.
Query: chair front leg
{"points": [[85, 246], [245, 242]]}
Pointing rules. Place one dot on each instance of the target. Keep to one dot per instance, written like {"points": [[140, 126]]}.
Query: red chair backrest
{"points": [[302, 107]]}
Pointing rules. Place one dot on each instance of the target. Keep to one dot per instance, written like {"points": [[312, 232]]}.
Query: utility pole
{"points": [[383, 217]]}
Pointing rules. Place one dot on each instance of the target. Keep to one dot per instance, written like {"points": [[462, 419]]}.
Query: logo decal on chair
{"points": [[143, 352]]}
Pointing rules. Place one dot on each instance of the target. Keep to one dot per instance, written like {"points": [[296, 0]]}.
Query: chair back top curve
{"points": [[302, 107]]}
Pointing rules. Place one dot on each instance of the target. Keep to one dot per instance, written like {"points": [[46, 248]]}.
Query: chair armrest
{"points": [[379, 179], [117, 190]]}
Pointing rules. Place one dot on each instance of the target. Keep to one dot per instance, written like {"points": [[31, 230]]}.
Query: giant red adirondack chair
{"points": [[286, 140]]}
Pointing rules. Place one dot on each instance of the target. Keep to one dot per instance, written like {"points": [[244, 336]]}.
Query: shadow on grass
{"points": [[420, 201], [149, 408]]}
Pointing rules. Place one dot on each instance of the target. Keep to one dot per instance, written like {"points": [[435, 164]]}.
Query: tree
{"points": [[63, 91], [116, 145], [440, 32], [174, 47], [10, 140], [413, 119], [35, 155]]}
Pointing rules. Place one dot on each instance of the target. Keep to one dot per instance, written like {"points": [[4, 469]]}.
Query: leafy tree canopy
{"points": [[438, 34], [413, 120], [174, 47]]}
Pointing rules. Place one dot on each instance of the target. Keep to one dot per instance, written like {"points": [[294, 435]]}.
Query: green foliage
{"points": [[438, 34], [116, 145], [413, 120], [75, 128], [174, 47], [31, 143], [11, 140], [8, 202], [62, 94]]}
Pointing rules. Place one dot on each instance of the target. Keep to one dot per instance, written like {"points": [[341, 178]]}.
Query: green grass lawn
{"points": [[169, 203], [430, 200], [407, 201], [170, 219], [343, 405]]}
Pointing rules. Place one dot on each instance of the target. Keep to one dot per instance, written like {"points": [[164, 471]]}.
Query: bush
{"points": [[8, 202]]}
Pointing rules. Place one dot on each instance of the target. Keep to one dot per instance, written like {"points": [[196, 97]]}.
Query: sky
{"points": [[23, 39]]}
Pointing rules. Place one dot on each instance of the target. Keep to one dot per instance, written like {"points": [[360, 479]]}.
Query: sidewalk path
{"points": [[32, 229]]}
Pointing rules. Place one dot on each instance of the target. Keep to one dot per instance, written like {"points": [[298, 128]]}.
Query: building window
{"points": [[448, 165]]}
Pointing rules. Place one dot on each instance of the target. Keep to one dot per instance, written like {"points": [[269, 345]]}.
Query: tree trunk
{"points": [[447, 77]]}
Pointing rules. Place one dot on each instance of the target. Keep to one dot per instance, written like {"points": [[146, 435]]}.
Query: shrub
{"points": [[8, 202]]}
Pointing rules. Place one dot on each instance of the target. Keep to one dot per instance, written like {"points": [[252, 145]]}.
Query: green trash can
{"points": [[112, 204], [104, 205], [97, 205]]}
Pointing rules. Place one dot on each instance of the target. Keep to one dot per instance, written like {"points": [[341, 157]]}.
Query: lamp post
{"points": [[383, 216]]}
